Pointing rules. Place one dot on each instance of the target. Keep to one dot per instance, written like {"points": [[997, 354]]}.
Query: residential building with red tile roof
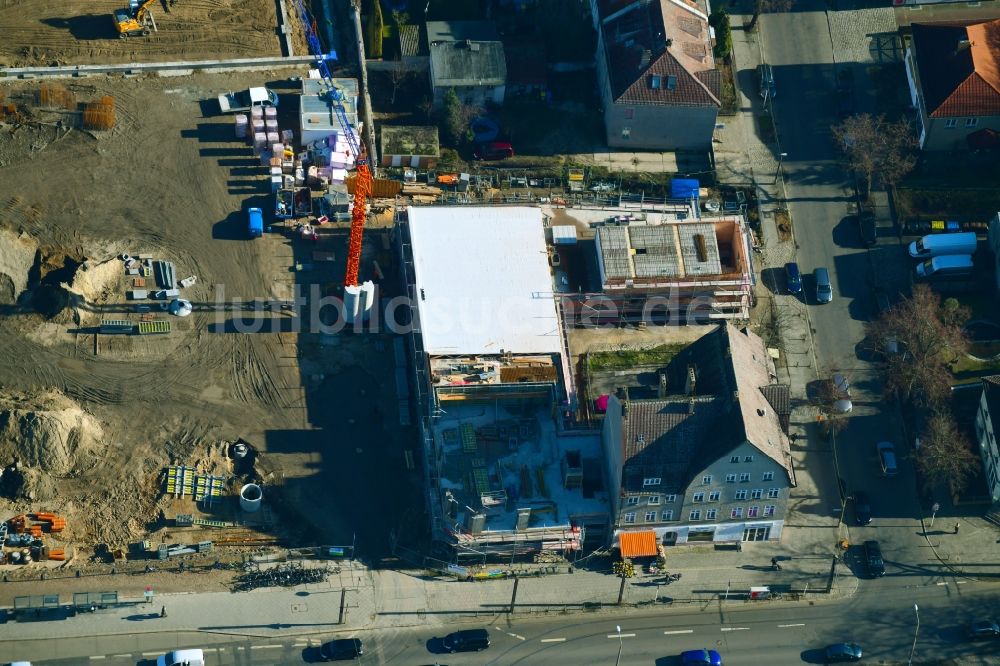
{"points": [[656, 71]]}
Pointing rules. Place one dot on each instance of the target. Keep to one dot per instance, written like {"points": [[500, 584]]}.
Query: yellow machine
{"points": [[135, 19]]}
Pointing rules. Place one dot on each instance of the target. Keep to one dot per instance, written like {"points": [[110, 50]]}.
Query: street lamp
{"points": [[619, 659], [915, 634], [777, 172], [934, 509]]}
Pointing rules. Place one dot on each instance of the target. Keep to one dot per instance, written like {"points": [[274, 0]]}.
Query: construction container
{"points": [[242, 125], [258, 124], [287, 136], [288, 166], [300, 178], [265, 159], [275, 161], [271, 124], [271, 112], [274, 140], [288, 181], [275, 183], [259, 141], [276, 171], [257, 112]]}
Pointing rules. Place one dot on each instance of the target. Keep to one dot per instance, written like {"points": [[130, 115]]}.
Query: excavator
{"points": [[134, 20]]}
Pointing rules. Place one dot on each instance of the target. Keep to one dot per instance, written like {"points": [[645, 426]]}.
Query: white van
{"points": [[193, 657], [949, 264], [936, 245]]}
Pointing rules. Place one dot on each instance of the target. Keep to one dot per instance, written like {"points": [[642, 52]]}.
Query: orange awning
{"points": [[638, 544]]}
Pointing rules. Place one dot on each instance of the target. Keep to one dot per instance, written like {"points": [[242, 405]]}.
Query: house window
{"points": [[768, 510], [670, 499], [744, 477], [711, 514], [752, 511], [626, 132], [971, 122], [629, 517], [695, 514], [756, 493], [707, 479], [714, 496], [650, 516], [741, 494], [655, 499], [768, 476], [653, 481], [629, 113], [698, 497], [737, 512], [734, 459], [667, 514], [773, 493], [950, 123], [747, 458], [730, 478], [633, 500]]}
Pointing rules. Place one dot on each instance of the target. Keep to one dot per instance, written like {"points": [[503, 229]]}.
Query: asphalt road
{"points": [[881, 618], [798, 46]]}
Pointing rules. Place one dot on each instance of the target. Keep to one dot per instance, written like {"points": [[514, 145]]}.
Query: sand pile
{"points": [[49, 432], [97, 281], [17, 255]]}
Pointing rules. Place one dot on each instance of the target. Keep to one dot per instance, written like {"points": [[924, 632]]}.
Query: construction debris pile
{"points": [[283, 575], [23, 538], [151, 280]]}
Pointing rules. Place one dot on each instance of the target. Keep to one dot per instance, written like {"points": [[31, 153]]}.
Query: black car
{"points": [[862, 508], [343, 648], [984, 629], [868, 227], [873, 559], [469, 640], [841, 652]]}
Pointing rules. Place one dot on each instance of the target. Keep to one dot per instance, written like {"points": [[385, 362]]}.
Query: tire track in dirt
{"points": [[252, 381]]}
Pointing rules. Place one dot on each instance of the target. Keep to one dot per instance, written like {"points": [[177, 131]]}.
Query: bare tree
{"points": [[944, 456], [766, 7], [921, 337], [398, 75], [873, 145]]}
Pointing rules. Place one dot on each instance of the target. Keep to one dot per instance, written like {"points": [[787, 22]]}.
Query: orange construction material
{"points": [[362, 191], [57, 554], [35, 531], [17, 523], [55, 522], [638, 544]]}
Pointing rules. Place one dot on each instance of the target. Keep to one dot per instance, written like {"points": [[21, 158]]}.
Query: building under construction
{"points": [[505, 474], [661, 268]]}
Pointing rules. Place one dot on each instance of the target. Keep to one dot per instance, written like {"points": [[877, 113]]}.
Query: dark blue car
{"points": [[793, 278], [701, 658]]}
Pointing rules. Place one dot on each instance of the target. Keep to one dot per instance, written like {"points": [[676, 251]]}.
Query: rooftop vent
{"points": [[760, 412]]}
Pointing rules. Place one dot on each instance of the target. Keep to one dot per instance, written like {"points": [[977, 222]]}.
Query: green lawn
{"points": [[623, 359]]}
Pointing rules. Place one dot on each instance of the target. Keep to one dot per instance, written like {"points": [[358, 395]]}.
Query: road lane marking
{"points": [[785, 626], [679, 631], [301, 645], [621, 635], [266, 647], [553, 640], [209, 649], [128, 655], [736, 628], [520, 638]]}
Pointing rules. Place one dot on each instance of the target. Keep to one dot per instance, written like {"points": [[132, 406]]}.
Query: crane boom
{"points": [[363, 179]]}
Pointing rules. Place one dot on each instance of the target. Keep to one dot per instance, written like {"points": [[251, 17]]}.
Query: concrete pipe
{"points": [[250, 496]]}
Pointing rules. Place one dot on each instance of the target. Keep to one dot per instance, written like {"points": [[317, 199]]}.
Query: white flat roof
{"points": [[482, 280]]}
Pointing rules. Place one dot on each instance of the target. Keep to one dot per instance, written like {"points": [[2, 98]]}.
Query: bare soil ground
{"points": [[172, 181], [82, 32]]}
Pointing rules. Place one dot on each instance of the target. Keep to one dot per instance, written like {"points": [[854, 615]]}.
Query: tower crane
{"points": [[363, 179]]}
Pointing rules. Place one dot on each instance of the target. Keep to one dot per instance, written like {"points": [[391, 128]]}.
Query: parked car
{"points": [[948, 264], [793, 278], [984, 629], [467, 640], [193, 657], [868, 227], [236, 102], [841, 394], [873, 559], [824, 289], [842, 652], [493, 151], [701, 658], [887, 458], [862, 508], [342, 648]]}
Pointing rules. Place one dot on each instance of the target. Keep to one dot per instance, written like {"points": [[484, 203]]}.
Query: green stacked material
{"points": [[469, 444]]}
